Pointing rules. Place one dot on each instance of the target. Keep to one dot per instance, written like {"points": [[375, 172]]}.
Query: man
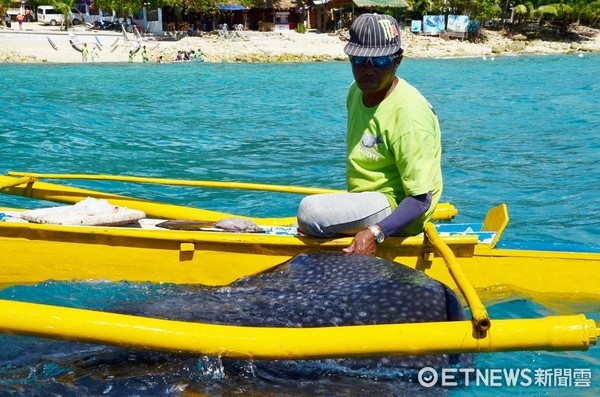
{"points": [[393, 171], [20, 19], [84, 52]]}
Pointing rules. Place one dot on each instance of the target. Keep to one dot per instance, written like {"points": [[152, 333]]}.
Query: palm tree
{"points": [[4, 6], [544, 10], [522, 12], [64, 6], [565, 12]]}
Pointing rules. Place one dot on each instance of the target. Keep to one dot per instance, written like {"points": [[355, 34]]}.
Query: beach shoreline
{"points": [[48, 44]]}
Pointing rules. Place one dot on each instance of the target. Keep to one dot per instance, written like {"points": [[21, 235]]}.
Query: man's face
{"points": [[372, 79]]}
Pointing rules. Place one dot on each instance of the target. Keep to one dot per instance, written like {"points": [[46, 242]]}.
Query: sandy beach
{"points": [[34, 44]]}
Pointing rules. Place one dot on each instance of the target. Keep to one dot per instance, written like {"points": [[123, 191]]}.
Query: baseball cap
{"points": [[373, 35]]}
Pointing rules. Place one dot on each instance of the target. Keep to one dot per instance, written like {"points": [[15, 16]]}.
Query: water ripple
{"points": [[521, 130]]}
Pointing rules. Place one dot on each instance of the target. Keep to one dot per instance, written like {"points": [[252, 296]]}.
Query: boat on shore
{"points": [[129, 45], [464, 256]]}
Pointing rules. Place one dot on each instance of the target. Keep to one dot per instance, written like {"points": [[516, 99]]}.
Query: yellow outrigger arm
{"points": [[573, 332], [479, 314]]}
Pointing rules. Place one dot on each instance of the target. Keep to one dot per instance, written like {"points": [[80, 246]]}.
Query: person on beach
{"points": [[84, 52], [130, 59], [144, 55], [94, 55], [20, 19], [393, 167]]}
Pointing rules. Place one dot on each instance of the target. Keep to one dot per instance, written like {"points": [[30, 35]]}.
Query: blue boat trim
{"points": [[555, 247]]}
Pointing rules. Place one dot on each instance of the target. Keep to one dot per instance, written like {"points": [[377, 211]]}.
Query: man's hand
{"points": [[363, 243]]}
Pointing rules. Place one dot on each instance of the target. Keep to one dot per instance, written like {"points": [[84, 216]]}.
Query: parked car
{"points": [[48, 15]]}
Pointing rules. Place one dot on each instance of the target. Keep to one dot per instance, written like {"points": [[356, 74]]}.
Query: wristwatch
{"points": [[379, 236]]}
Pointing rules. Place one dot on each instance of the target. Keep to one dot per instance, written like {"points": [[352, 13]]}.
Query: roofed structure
{"points": [[361, 3], [381, 3], [279, 4]]}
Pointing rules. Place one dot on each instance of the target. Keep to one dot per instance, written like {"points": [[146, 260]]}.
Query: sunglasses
{"points": [[378, 62]]}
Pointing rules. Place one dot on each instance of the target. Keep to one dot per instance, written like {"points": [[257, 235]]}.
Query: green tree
{"points": [[133, 6], [565, 13], [123, 6], [481, 10], [589, 13], [419, 8], [543, 11], [64, 6], [4, 6], [484, 10], [522, 13]]}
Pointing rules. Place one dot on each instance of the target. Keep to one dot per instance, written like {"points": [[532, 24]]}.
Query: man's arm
{"points": [[409, 210]]}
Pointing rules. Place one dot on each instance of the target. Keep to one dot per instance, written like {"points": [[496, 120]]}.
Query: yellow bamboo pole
{"points": [[181, 182], [481, 318], [574, 332], [16, 182], [443, 211]]}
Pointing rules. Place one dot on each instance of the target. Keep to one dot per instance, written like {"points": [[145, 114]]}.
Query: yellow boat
{"points": [[462, 256]]}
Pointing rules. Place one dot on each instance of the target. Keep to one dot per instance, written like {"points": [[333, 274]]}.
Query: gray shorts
{"points": [[328, 215]]}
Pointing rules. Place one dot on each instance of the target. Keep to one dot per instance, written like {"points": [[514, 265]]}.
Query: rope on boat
{"points": [[479, 314]]}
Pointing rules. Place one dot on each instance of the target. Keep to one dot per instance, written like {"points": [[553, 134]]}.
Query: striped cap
{"points": [[373, 35]]}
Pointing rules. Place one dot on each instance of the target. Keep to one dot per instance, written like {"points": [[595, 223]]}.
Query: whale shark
{"points": [[321, 290], [310, 290]]}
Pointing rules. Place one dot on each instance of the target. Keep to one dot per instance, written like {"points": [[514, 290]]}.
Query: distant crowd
{"points": [[182, 56], [191, 55], [89, 53]]}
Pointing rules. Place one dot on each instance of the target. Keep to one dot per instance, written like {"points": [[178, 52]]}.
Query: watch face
{"points": [[377, 233]]}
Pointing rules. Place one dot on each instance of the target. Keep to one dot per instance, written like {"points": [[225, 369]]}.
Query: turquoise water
{"points": [[520, 130]]}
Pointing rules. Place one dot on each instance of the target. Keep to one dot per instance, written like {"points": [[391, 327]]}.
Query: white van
{"points": [[48, 15]]}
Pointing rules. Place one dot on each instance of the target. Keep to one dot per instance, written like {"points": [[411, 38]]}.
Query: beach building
{"points": [[22, 7], [227, 15], [92, 13], [330, 15]]}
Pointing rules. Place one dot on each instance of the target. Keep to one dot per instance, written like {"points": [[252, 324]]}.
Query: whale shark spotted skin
{"points": [[320, 290], [310, 290]]}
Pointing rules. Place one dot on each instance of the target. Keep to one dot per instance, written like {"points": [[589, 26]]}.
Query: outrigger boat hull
{"points": [[43, 252], [147, 253]]}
